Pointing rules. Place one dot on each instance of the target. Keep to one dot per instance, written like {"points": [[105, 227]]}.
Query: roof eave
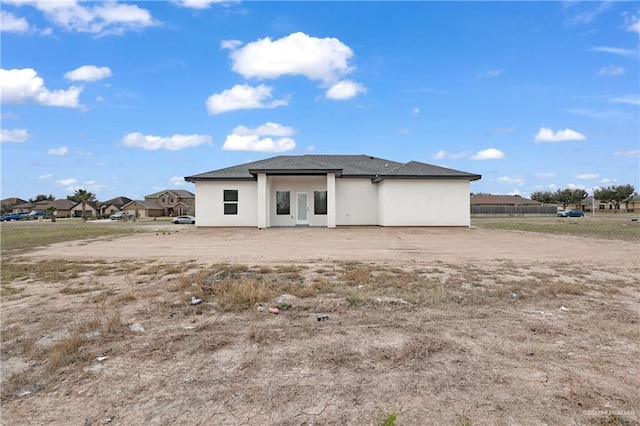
{"points": [[338, 172], [470, 178]]}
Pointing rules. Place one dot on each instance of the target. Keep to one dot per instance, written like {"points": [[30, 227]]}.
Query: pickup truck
{"points": [[11, 216]]}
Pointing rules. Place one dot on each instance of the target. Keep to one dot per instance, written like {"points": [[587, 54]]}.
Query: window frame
{"points": [[280, 211], [230, 198], [322, 212]]}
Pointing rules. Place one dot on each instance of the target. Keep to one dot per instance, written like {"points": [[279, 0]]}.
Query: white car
{"points": [[184, 219], [120, 216]]}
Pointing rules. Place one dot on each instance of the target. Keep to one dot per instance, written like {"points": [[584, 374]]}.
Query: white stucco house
{"points": [[330, 191]]}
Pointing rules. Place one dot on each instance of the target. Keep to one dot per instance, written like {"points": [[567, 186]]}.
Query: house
{"points": [[632, 204], [90, 209], [62, 207], [332, 190], [170, 202], [113, 205], [7, 204]]}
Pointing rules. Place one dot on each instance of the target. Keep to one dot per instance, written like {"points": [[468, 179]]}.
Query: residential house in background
{"points": [[8, 204], [91, 209], [170, 202], [113, 205], [62, 207], [332, 190], [630, 205]]}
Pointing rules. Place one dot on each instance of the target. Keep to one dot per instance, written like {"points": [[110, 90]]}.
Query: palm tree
{"points": [[52, 211], [83, 196]]}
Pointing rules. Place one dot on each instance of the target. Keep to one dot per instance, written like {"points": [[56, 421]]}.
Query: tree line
{"points": [[614, 194]]}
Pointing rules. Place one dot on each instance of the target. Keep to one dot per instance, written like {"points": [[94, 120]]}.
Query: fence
{"points": [[513, 210]]}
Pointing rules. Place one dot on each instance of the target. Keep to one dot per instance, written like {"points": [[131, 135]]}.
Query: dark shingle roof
{"points": [[180, 193], [343, 165]]}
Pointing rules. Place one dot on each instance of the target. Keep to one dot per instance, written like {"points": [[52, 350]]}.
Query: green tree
{"points": [[614, 194], [545, 197], [42, 197], [569, 196], [82, 196]]}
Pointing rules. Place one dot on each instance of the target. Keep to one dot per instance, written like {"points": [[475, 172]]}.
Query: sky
{"points": [[128, 98]]}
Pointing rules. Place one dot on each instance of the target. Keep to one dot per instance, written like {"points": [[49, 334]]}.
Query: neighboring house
{"points": [[23, 208], [332, 190], [170, 202], [7, 204], [63, 207], [90, 209], [632, 204], [113, 205]]}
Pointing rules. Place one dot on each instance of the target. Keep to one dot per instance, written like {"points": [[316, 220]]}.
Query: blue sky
{"points": [[127, 98]]}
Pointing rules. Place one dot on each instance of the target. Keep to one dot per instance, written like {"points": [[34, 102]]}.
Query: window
{"points": [[320, 202], [230, 198], [283, 202], [230, 195]]}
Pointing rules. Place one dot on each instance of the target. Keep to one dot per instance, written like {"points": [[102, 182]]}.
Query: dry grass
{"points": [[399, 345]]}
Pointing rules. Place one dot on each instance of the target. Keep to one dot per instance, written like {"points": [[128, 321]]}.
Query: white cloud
{"points": [[13, 24], [633, 24], [611, 70], [627, 154], [108, 17], [242, 96], [45, 177], [574, 186], [230, 44], [198, 4], [63, 150], [24, 85], [490, 73], [319, 59], [177, 181], [14, 135], [88, 73], [245, 139], [512, 180], [545, 175], [587, 176], [442, 155], [546, 134], [627, 99], [172, 143], [9, 116], [489, 154], [67, 182], [346, 89], [616, 51], [415, 111]]}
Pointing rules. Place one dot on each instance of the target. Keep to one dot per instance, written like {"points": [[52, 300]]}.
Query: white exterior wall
{"points": [[356, 202], [424, 202], [294, 184], [210, 203]]}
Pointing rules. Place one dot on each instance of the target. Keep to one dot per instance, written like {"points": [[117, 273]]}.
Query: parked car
{"points": [[184, 219], [11, 216], [36, 214], [120, 216], [571, 213]]}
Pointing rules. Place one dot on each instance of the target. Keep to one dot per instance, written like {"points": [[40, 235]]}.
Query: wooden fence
{"points": [[513, 210]]}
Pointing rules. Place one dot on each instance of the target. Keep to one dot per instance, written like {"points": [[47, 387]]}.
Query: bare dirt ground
{"points": [[427, 326]]}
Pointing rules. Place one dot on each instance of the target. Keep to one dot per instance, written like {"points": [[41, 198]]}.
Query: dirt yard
{"points": [[375, 326]]}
